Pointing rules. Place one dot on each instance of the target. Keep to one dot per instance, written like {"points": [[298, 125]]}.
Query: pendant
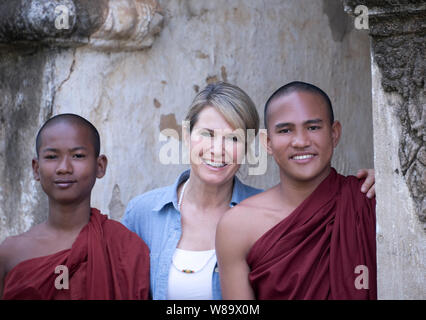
{"points": [[188, 271]]}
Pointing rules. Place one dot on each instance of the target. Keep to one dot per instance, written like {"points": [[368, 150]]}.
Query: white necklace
{"points": [[181, 194]]}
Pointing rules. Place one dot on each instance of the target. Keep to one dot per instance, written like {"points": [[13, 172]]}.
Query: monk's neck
{"points": [[68, 217], [295, 191]]}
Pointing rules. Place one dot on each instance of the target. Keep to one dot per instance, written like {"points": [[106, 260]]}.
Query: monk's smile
{"points": [[303, 157], [64, 184]]}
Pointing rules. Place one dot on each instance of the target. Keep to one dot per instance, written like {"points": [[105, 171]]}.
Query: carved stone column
{"points": [[39, 42], [398, 50], [100, 24]]}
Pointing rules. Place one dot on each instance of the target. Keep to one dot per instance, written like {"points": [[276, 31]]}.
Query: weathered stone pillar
{"points": [[398, 51], [38, 41]]}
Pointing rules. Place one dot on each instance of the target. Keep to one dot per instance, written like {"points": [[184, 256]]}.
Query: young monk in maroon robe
{"points": [[313, 235], [78, 253]]}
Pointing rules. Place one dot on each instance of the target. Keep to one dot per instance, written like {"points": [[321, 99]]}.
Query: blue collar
{"points": [[170, 192]]}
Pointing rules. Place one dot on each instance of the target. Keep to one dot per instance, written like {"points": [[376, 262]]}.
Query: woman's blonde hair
{"points": [[232, 102]]}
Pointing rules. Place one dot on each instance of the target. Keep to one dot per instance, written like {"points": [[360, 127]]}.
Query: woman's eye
{"points": [[232, 138], [206, 134]]}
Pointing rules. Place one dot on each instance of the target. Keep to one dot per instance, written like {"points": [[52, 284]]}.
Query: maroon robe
{"points": [[314, 252], [106, 261]]}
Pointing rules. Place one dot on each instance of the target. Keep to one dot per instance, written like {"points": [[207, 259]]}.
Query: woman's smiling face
{"points": [[216, 148]]}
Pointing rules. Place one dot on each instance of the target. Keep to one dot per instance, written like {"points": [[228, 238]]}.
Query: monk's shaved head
{"points": [[297, 86], [71, 119]]}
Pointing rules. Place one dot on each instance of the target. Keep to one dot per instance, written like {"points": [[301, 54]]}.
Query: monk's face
{"points": [[67, 166], [301, 137]]}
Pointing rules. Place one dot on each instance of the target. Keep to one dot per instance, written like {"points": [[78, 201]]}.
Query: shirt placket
{"points": [[167, 253]]}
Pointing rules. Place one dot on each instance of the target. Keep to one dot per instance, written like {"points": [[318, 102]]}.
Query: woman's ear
{"points": [[186, 134]]}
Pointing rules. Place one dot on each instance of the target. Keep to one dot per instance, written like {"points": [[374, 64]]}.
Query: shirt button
{"points": [[216, 269]]}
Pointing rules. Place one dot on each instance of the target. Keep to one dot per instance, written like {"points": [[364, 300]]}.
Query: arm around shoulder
{"points": [[231, 248]]}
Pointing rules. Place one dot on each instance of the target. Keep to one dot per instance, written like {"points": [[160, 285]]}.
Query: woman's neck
{"points": [[205, 196]]}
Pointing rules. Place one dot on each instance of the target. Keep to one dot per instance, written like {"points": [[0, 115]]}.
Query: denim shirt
{"points": [[155, 218]]}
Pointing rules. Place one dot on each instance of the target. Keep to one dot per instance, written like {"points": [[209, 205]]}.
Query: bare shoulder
{"points": [[243, 224], [261, 201], [232, 235], [5, 248], [10, 245], [240, 217], [250, 219], [17, 248], [8, 249], [255, 208]]}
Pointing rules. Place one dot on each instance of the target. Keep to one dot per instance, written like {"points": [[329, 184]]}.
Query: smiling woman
{"points": [[215, 154], [179, 222]]}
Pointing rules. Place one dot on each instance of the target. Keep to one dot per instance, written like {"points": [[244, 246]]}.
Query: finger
{"points": [[362, 173], [372, 192], [368, 183]]}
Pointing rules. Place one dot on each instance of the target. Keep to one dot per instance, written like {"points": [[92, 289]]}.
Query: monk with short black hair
{"points": [[78, 253], [312, 236]]}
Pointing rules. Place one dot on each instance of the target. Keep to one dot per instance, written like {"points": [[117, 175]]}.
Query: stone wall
{"points": [[398, 38], [134, 67]]}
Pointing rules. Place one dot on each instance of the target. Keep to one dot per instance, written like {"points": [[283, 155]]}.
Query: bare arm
{"points": [[231, 249]]}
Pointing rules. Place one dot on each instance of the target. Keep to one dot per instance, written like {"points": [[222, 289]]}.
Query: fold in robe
{"points": [[325, 249], [106, 261]]}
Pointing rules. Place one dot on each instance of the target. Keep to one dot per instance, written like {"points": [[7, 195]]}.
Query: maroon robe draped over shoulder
{"points": [[325, 249], [106, 261]]}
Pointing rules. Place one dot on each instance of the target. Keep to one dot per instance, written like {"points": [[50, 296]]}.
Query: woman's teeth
{"points": [[214, 164]]}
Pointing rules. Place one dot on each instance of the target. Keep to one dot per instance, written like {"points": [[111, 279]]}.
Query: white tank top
{"points": [[190, 276]]}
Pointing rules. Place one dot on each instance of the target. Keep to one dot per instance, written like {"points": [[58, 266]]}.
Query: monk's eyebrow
{"points": [[283, 124], [78, 148], [289, 124], [313, 121], [50, 150], [57, 150]]}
